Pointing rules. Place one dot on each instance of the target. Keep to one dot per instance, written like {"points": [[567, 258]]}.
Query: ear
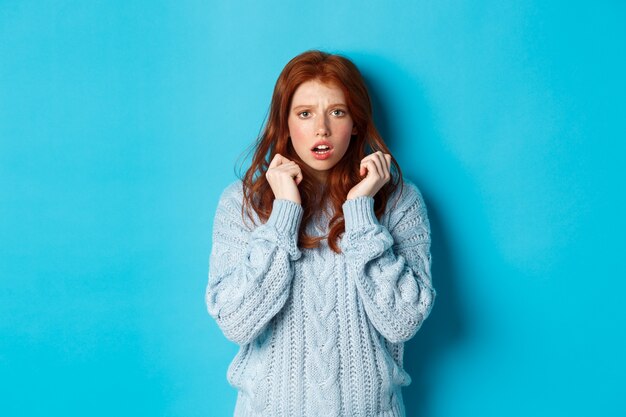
{"points": [[354, 130]]}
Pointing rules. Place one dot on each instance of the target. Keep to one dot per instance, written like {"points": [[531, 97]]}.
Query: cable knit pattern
{"points": [[320, 333]]}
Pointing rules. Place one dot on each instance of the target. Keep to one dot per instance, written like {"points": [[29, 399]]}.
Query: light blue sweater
{"points": [[320, 333]]}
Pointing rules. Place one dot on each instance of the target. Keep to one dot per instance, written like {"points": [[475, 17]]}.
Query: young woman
{"points": [[320, 264]]}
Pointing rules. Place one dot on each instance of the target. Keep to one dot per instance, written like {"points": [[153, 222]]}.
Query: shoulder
{"points": [[230, 202], [232, 194], [406, 215], [231, 206], [406, 195]]}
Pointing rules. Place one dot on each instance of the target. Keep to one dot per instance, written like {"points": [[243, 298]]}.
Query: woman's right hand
{"points": [[284, 176]]}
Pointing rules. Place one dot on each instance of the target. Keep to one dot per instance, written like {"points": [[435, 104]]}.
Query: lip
{"points": [[325, 155], [322, 142]]}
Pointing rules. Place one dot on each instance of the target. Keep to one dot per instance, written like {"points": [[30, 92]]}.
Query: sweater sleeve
{"points": [[250, 271], [391, 267]]}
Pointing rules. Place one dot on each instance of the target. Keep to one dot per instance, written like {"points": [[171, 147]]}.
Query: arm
{"points": [[250, 272], [391, 269]]}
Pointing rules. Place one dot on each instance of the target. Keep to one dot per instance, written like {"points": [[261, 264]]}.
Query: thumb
{"points": [[362, 170]]}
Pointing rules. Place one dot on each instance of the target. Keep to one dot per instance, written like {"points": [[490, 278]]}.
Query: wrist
{"points": [[352, 196]]}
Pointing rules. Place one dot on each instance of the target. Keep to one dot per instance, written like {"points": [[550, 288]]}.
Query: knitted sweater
{"points": [[320, 333]]}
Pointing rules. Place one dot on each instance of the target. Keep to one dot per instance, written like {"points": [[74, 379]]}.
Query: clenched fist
{"points": [[377, 167], [284, 175]]}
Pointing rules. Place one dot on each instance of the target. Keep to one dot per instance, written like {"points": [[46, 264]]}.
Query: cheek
{"points": [[343, 147], [345, 133], [297, 132]]}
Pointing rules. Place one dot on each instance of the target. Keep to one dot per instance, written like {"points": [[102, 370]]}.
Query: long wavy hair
{"points": [[274, 138]]}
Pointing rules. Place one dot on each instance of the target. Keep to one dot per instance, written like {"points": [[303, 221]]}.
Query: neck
{"points": [[321, 177]]}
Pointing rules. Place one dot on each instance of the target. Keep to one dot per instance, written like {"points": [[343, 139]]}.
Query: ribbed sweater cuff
{"points": [[359, 212], [286, 216]]}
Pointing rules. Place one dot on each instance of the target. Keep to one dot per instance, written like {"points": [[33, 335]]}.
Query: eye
{"points": [[338, 112], [304, 114]]}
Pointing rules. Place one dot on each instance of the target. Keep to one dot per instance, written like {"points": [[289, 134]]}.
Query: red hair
{"points": [[258, 195]]}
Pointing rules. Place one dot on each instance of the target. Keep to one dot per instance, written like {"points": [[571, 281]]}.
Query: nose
{"points": [[322, 128]]}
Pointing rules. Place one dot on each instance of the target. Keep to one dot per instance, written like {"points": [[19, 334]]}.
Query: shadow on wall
{"points": [[444, 328]]}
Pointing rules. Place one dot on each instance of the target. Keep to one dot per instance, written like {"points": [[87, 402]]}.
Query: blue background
{"points": [[121, 122]]}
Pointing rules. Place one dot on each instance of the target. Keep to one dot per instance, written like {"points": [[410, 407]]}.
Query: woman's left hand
{"points": [[377, 166]]}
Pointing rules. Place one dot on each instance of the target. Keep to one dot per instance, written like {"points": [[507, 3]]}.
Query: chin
{"points": [[323, 165]]}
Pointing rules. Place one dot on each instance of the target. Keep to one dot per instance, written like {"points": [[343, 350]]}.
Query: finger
{"points": [[299, 177], [293, 170], [370, 159], [275, 161], [362, 168], [387, 166], [288, 166], [376, 157], [296, 175], [371, 167], [278, 160], [388, 160], [282, 169], [385, 163]]}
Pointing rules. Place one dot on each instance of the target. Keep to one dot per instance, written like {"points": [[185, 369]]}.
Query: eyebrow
{"points": [[310, 105]]}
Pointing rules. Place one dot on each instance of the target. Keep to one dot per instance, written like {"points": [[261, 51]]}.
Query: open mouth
{"points": [[321, 149]]}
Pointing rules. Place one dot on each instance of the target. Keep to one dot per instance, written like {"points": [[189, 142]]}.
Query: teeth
{"points": [[322, 147]]}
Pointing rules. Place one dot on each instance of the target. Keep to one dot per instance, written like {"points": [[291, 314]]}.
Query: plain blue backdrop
{"points": [[122, 121]]}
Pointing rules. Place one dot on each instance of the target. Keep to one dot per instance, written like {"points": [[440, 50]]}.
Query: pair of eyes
{"points": [[336, 112]]}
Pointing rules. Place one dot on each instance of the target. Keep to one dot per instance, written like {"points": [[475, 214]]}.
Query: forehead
{"points": [[312, 91]]}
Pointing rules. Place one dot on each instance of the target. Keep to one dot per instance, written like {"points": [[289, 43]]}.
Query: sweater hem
{"points": [[242, 409]]}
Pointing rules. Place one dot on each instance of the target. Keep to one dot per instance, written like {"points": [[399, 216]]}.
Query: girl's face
{"points": [[320, 126]]}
